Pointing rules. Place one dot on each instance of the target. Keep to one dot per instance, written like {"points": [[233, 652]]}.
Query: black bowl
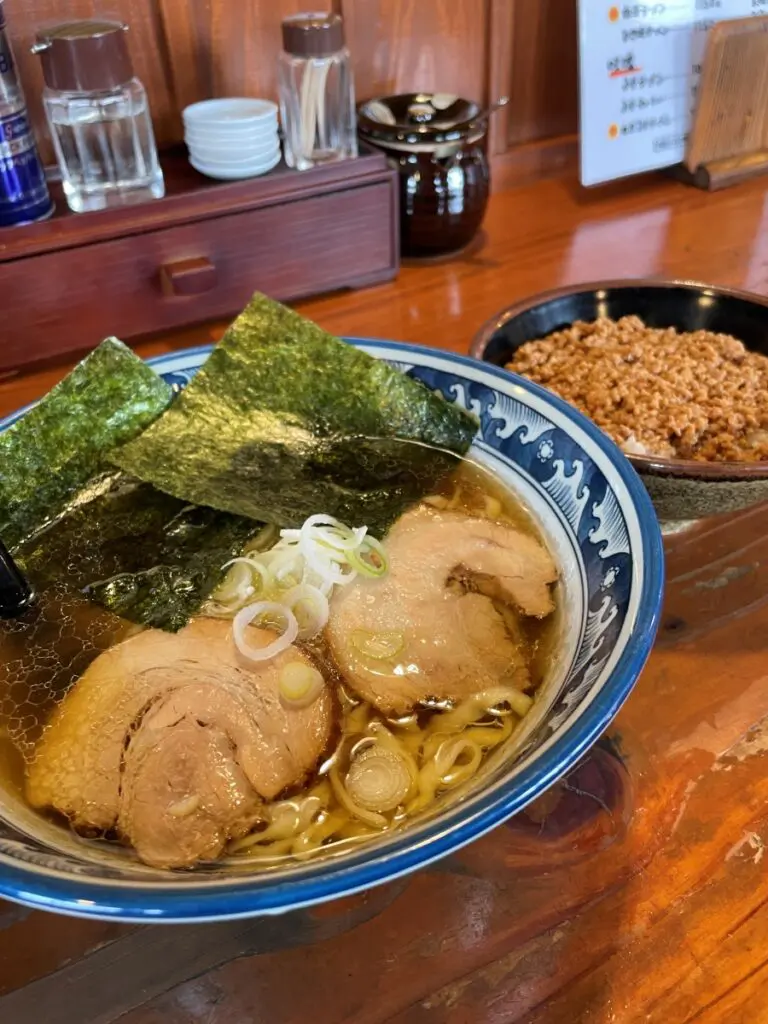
{"points": [[681, 489], [685, 305]]}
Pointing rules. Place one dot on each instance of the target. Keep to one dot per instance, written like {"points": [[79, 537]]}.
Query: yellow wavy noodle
{"points": [[42, 656], [443, 754]]}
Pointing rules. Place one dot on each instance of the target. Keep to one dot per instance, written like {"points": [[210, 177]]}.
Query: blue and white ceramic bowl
{"points": [[600, 524]]}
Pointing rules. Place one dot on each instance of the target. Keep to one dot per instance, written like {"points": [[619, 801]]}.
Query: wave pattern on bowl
{"points": [[600, 523]]}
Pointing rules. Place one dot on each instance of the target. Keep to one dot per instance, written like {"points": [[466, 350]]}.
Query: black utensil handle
{"points": [[16, 594]]}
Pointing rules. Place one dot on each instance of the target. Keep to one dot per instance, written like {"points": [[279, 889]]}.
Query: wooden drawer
{"points": [[64, 301]]}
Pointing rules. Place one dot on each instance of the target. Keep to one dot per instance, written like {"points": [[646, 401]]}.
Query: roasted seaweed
{"points": [[136, 551], [79, 530], [49, 454], [284, 421], [121, 550]]}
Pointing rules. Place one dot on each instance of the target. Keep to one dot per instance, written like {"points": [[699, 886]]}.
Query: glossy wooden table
{"points": [[637, 890]]}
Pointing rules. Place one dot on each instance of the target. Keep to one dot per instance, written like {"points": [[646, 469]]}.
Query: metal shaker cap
{"points": [[313, 35], [85, 56]]}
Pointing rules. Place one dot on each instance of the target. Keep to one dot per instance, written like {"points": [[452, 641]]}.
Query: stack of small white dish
{"points": [[232, 138]]}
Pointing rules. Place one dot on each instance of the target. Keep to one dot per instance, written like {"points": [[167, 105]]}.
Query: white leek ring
{"points": [[246, 616]]}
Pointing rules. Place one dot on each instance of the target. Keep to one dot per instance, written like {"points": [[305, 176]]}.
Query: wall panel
{"points": [[410, 45], [543, 70], [186, 50]]}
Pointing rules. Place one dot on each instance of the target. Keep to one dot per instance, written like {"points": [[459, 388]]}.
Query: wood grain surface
{"points": [[270, 234], [188, 50], [412, 45], [635, 890], [542, 63], [221, 48]]}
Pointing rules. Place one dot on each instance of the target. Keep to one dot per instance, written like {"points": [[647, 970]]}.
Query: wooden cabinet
{"points": [[196, 256]]}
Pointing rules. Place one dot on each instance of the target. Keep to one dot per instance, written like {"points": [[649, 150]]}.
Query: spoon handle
{"points": [[16, 593]]}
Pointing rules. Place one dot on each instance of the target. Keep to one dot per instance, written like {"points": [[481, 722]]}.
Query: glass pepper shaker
{"points": [[317, 94], [99, 116]]}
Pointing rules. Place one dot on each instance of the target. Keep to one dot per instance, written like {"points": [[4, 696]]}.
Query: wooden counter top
{"points": [[636, 890]]}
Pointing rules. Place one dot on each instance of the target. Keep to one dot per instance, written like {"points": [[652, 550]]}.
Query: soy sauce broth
{"points": [[472, 491], [314, 820]]}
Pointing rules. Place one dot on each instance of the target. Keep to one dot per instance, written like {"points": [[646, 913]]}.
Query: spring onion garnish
{"points": [[260, 610], [369, 558], [310, 606], [299, 684], [322, 557], [259, 577], [297, 576], [378, 646], [237, 586], [378, 779]]}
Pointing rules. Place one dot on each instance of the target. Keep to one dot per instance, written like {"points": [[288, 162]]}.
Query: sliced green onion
{"points": [[263, 541], [310, 606], [299, 684], [369, 559], [335, 534], [378, 646], [378, 779], [323, 561], [287, 568], [253, 566], [237, 585], [264, 610], [295, 578], [372, 818]]}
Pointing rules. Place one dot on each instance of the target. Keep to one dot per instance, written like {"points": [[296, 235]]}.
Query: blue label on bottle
{"points": [[23, 190], [13, 127]]}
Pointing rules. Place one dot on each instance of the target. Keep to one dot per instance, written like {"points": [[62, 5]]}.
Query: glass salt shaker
{"points": [[317, 94], [98, 115]]}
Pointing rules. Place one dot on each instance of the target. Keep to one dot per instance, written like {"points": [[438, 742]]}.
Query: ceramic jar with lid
{"points": [[437, 143]]}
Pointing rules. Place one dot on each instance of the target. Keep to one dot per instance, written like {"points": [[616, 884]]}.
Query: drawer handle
{"points": [[188, 277]]}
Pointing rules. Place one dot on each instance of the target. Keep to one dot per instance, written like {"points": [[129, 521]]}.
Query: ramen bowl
{"points": [[682, 489], [599, 525]]}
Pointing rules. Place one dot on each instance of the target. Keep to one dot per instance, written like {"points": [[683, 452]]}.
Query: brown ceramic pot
{"points": [[437, 144]]}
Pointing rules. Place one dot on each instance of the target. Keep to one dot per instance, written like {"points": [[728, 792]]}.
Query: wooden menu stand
{"points": [[198, 254], [728, 142]]}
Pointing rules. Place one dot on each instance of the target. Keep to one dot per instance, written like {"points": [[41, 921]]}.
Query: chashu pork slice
{"points": [[175, 740], [412, 636]]}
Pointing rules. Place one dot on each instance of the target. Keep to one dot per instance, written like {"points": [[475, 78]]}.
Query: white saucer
{"points": [[235, 172]]}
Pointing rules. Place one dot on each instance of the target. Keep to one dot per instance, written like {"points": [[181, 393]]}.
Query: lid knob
{"points": [[85, 56]]}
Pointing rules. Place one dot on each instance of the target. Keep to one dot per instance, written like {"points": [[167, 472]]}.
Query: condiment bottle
{"points": [[317, 95], [99, 116], [23, 190], [437, 142]]}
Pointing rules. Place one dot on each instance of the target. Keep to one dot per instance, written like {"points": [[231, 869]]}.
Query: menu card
{"points": [[639, 69]]}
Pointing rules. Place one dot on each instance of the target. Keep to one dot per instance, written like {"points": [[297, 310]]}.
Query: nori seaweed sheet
{"points": [[157, 558], [284, 421], [137, 552], [79, 530], [49, 454]]}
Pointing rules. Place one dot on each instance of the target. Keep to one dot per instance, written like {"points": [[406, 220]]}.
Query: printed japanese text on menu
{"points": [[640, 65]]}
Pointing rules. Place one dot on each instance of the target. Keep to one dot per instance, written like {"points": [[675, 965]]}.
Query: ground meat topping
{"points": [[656, 391]]}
